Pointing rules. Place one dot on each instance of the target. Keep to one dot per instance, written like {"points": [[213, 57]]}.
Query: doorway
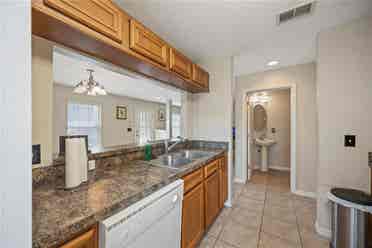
{"points": [[252, 162]]}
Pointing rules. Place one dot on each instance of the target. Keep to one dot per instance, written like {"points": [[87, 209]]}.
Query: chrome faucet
{"points": [[169, 148]]}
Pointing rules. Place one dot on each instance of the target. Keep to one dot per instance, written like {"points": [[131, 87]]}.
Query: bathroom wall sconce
{"points": [[261, 97]]}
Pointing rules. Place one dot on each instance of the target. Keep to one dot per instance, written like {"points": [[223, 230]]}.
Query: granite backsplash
{"points": [[116, 155]]}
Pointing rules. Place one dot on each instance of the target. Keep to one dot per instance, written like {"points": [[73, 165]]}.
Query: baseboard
{"points": [[322, 231], [280, 168], [239, 180], [228, 204], [306, 194], [273, 167]]}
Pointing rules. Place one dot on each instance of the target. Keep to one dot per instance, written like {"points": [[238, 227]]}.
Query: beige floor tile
{"points": [[225, 212], [255, 187], [281, 213], [284, 230], [306, 220], [253, 194], [207, 242], [278, 201], [271, 241], [249, 203], [246, 217], [311, 239], [222, 244], [239, 235], [215, 229]]}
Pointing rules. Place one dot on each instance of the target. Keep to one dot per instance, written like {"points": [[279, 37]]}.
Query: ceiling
{"points": [[246, 29], [69, 68]]}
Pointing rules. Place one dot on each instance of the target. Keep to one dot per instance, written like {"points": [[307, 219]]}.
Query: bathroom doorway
{"points": [[269, 131], [269, 124]]}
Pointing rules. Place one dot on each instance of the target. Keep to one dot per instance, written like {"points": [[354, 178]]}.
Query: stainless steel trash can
{"points": [[350, 210]]}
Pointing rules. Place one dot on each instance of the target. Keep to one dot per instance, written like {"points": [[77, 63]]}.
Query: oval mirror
{"points": [[259, 118]]}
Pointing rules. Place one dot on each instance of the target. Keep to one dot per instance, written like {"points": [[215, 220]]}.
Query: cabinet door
{"points": [[212, 202], [223, 181], [180, 64], [193, 217], [145, 42], [100, 15], [86, 240], [200, 76]]}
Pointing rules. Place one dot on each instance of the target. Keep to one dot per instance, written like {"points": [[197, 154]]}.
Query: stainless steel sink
{"points": [[173, 161], [178, 159], [190, 154]]}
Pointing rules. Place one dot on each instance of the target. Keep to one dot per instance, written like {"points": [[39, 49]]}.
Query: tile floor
{"points": [[265, 215]]}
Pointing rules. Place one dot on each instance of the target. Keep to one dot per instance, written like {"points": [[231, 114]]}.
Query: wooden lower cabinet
{"points": [[212, 199], [86, 240], [193, 217], [223, 181], [205, 191]]}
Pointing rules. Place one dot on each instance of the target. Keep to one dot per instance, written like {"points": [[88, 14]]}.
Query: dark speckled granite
{"points": [[60, 215]]}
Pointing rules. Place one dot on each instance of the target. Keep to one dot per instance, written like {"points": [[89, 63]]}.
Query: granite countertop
{"points": [[59, 215]]}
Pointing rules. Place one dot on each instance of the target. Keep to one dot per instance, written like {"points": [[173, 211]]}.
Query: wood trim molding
{"points": [[51, 25]]}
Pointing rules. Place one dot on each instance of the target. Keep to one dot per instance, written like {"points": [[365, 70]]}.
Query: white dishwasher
{"points": [[154, 221]]}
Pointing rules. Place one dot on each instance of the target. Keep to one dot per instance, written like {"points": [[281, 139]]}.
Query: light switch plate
{"points": [[350, 140]]}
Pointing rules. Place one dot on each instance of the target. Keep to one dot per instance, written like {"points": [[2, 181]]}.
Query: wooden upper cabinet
{"points": [[180, 64], [100, 15], [86, 240], [200, 76], [193, 217], [148, 44]]}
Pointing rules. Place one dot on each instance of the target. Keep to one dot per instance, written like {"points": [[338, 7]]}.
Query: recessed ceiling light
{"points": [[273, 63]]}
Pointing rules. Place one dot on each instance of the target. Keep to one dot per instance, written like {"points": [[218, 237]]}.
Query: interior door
{"points": [[250, 141]]}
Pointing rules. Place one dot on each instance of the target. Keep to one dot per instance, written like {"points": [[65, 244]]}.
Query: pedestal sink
{"points": [[265, 143]]}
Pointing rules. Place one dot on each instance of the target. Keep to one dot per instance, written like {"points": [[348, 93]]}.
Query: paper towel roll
{"points": [[73, 163]]}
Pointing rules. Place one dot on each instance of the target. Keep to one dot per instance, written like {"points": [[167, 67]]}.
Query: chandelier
{"points": [[90, 86]]}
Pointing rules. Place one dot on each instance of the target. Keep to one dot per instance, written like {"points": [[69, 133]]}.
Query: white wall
{"points": [[304, 77], [15, 125], [210, 114], [344, 74], [42, 98], [114, 132]]}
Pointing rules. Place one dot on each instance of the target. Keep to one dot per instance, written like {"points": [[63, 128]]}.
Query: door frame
{"points": [[245, 143]]}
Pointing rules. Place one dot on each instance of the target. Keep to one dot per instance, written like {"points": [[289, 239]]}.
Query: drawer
{"points": [[100, 15], [210, 168], [88, 239], [192, 179], [148, 44]]}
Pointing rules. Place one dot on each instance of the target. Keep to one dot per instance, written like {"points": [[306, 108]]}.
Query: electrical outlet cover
{"points": [[91, 164]]}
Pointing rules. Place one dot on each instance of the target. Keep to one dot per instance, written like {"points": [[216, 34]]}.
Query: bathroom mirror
{"points": [[259, 118]]}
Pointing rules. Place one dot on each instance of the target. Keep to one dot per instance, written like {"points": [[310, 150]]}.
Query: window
{"points": [[85, 119], [176, 121], [145, 126]]}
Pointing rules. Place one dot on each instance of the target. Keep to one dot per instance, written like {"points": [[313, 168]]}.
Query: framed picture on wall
{"points": [[121, 113], [161, 115]]}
